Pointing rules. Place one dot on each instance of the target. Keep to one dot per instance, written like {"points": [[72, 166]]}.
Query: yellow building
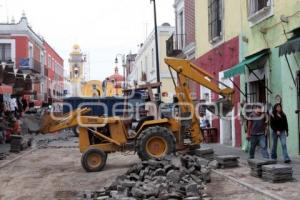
{"points": [[76, 63], [92, 88], [229, 18]]}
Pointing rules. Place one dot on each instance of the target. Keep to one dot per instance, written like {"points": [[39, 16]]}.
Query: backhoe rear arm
{"points": [[195, 73], [186, 70]]}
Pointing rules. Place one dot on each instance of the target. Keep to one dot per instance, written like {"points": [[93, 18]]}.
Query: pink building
{"points": [[30, 55]]}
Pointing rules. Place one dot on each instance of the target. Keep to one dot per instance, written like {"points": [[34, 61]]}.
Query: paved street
{"points": [[53, 171]]}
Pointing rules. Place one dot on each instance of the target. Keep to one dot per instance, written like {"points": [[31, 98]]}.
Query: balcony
{"points": [[30, 65], [5, 60], [175, 45]]}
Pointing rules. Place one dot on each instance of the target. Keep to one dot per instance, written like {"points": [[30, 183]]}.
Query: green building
{"points": [[270, 59]]}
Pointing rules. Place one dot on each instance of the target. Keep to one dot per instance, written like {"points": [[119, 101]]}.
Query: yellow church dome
{"points": [[76, 49]]}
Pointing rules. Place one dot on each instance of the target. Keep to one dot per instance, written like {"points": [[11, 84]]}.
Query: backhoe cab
{"points": [[152, 138]]}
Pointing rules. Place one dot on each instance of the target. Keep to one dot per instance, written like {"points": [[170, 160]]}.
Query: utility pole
{"points": [[156, 49]]}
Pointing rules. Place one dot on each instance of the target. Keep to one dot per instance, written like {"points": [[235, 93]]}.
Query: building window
{"points": [[5, 52], [49, 62], [258, 5], [259, 10], [257, 92], [146, 64], [42, 59], [180, 30], [30, 51], [153, 58], [215, 19]]}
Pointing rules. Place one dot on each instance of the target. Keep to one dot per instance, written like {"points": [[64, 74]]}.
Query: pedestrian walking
{"points": [[279, 125], [256, 132]]}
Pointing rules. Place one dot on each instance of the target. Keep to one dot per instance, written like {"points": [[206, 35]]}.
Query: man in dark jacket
{"points": [[280, 127], [256, 133]]}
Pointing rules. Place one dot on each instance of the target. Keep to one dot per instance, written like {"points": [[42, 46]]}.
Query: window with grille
{"points": [[215, 19], [5, 52], [257, 5], [257, 92]]}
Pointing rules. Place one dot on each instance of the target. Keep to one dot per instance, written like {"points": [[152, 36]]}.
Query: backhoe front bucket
{"points": [[221, 108]]}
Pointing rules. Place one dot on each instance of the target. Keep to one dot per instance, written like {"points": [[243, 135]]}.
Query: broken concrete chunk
{"points": [[172, 177], [213, 164]]}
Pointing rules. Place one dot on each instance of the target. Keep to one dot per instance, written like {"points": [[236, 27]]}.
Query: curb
{"points": [[268, 194]]}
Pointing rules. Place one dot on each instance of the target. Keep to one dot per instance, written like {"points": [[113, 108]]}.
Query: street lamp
{"points": [[156, 49]]}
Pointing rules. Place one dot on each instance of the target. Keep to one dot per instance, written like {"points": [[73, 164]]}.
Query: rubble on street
{"points": [[174, 177]]}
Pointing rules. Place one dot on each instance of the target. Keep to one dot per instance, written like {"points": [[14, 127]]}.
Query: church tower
{"points": [[76, 63]]}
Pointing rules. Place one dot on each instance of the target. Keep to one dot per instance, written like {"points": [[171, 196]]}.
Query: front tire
{"points": [[155, 142], [93, 160]]}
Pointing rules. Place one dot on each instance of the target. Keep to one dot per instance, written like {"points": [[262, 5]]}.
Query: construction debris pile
{"points": [[180, 177], [227, 161], [256, 166], [277, 173]]}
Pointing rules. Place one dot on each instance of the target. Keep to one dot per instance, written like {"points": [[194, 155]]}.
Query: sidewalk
{"points": [[289, 190]]}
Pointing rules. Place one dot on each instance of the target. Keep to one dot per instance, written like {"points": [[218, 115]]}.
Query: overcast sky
{"points": [[103, 28]]}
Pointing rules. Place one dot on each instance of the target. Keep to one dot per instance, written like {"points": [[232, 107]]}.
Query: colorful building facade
{"points": [[54, 73], [269, 60], [28, 52], [217, 30]]}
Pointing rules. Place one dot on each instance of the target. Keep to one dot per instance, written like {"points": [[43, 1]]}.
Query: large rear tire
{"points": [[93, 160], [155, 142]]}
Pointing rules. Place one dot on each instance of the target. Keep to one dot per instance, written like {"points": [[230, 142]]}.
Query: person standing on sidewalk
{"points": [[279, 125], [256, 132]]}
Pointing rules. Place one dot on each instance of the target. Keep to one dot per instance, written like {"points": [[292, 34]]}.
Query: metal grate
{"points": [[215, 21]]}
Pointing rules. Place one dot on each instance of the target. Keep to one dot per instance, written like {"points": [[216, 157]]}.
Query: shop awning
{"points": [[291, 46], [240, 68]]}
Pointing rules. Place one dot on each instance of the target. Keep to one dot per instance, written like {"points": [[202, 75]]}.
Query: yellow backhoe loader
{"points": [[153, 138]]}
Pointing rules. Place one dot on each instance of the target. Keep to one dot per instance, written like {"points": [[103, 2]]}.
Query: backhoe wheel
{"points": [[93, 160], [155, 142]]}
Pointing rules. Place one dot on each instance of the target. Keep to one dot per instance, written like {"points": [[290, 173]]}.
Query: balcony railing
{"points": [[30, 64], [175, 44], [5, 60]]}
